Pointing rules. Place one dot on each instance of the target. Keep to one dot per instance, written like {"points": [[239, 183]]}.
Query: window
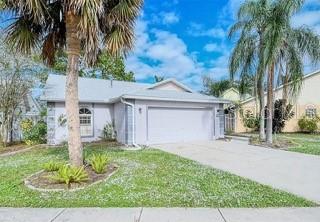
{"points": [[86, 127], [311, 112]]}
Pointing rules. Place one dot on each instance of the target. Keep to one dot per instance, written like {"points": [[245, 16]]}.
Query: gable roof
{"points": [[309, 75], [109, 91], [179, 84]]}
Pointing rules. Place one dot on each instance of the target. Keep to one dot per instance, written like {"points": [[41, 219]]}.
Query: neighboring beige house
{"points": [[306, 103]]}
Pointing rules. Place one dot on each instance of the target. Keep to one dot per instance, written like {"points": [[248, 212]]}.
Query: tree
{"points": [[78, 25], [15, 84], [106, 67], [113, 68], [215, 88], [285, 47], [248, 55], [281, 113], [158, 78]]}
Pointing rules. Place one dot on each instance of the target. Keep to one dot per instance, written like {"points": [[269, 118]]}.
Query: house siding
{"points": [[120, 122], [101, 115], [307, 98]]}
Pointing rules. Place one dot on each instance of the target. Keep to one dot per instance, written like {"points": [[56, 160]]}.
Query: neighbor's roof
{"points": [[107, 91], [309, 75]]}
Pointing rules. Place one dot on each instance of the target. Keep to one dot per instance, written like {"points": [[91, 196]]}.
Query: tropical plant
{"points": [[70, 174], [158, 78], [247, 57], [79, 25], [52, 166], [99, 162], [34, 133], [309, 125], [281, 113], [109, 132], [250, 120], [215, 88], [285, 48]]}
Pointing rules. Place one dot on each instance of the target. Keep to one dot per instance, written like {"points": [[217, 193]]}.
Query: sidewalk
{"points": [[159, 215]]}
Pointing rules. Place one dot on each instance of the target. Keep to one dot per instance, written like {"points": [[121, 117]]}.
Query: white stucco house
{"points": [[142, 113]]}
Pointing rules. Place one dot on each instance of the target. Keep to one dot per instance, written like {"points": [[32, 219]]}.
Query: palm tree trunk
{"points": [[270, 103], [285, 88], [72, 99], [262, 134]]}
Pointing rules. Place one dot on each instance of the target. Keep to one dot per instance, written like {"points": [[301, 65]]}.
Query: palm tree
{"points": [[285, 47], [80, 26], [247, 57]]}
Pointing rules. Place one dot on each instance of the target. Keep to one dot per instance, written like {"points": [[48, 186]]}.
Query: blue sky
{"points": [[186, 39]]}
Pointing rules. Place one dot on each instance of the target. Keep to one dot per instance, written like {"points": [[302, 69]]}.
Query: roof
{"points": [[109, 91], [186, 88], [280, 87]]}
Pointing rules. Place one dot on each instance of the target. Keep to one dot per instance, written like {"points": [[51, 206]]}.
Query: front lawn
{"points": [[303, 143], [149, 178]]}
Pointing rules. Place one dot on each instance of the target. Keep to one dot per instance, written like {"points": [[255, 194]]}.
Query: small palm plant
{"points": [[99, 162], [69, 174], [52, 166]]}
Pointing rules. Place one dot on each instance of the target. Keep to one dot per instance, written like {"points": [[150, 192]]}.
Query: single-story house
{"points": [[307, 103], [141, 113]]}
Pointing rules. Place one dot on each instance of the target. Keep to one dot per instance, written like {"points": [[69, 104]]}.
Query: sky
{"points": [[186, 39]]}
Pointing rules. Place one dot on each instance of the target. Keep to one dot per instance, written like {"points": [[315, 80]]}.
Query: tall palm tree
{"points": [[247, 57], [285, 47], [80, 26]]}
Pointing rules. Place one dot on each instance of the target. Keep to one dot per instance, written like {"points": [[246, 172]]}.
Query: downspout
{"points": [[133, 121]]}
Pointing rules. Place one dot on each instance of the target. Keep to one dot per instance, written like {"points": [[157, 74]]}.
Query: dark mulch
{"points": [[42, 180], [12, 147], [283, 144]]}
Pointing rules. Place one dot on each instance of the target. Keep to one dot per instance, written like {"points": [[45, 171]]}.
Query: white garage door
{"points": [[179, 124]]}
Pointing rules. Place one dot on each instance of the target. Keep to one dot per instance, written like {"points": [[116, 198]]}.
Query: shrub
{"points": [[309, 125], [109, 132], [281, 114], [98, 163], [250, 120], [52, 166], [34, 133], [69, 174]]}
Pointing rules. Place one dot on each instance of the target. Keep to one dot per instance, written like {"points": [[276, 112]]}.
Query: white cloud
{"points": [[165, 18], [213, 47], [170, 18], [163, 53], [197, 30]]}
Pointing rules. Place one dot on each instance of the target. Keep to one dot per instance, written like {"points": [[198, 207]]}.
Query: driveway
{"points": [[293, 172]]}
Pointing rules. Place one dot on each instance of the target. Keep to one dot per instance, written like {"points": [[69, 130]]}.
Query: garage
{"points": [[179, 124]]}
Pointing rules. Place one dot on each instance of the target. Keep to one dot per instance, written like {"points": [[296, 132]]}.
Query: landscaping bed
{"points": [[148, 177], [43, 181], [13, 148]]}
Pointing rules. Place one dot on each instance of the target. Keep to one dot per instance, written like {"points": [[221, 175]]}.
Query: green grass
{"points": [[150, 178], [303, 143]]}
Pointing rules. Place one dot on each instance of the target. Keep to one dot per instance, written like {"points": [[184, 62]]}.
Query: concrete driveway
{"points": [[293, 172]]}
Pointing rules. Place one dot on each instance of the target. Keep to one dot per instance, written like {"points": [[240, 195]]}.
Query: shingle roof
{"points": [[107, 91], [90, 89]]}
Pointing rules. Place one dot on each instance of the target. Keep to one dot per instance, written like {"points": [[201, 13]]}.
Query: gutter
{"points": [[133, 121]]}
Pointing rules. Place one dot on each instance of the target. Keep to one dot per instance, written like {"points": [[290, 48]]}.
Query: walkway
{"points": [[159, 215]]}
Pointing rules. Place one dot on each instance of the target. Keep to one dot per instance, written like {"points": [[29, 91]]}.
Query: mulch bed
{"points": [[12, 148], [282, 144], [41, 181]]}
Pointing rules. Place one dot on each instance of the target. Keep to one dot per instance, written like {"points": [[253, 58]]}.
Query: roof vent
{"points": [[111, 81]]}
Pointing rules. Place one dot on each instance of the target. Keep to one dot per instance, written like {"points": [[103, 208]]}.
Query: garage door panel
{"points": [[179, 124]]}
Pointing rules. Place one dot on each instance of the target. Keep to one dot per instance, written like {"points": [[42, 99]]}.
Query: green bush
{"points": [[34, 133], [98, 163], [69, 174], [52, 166], [309, 125], [250, 120]]}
